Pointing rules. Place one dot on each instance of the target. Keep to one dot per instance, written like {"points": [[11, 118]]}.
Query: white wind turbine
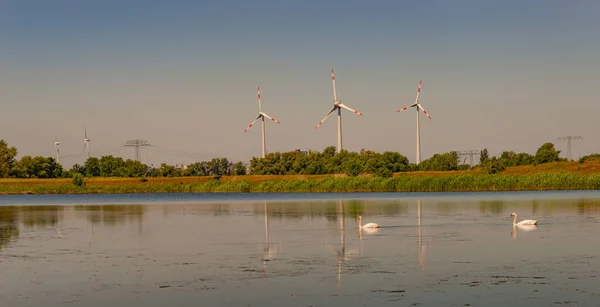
{"points": [[86, 144], [261, 116], [56, 144], [419, 106], [337, 105]]}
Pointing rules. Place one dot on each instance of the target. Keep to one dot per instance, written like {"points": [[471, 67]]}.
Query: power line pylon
{"points": [[136, 144], [468, 153], [568, 139]]}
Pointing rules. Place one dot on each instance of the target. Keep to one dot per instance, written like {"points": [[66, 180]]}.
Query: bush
{"points": [[384, 173], [78, 180], [143, 179], [493, 166]]}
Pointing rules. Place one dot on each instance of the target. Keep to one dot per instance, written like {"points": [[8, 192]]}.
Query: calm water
{"points": [[436, 249]]}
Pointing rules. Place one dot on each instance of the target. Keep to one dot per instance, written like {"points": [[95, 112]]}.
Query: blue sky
{"points": [[503, 75]]}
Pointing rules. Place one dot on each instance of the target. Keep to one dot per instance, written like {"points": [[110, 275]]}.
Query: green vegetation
{"points": [[312, 171], [402, 183]]}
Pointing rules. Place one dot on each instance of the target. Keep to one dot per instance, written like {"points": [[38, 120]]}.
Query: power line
{"points": [[568, 139]]}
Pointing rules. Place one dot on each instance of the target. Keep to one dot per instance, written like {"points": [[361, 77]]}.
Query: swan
{"points": [[368, 225], [523, 222]]}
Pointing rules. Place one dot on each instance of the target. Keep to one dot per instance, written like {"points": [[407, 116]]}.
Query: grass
{"points": [[551, 176]]}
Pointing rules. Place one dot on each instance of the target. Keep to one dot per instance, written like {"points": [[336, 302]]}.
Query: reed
{"points": [[447, 183]]}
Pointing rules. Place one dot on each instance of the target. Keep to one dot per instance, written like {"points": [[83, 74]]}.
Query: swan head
{"points": [[513, 214], [360, 217]]}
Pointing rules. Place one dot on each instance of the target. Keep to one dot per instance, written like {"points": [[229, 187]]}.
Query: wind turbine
{"points": [[261, 116], [337, 105], [56, 144], [419, 106], [86, 144]]}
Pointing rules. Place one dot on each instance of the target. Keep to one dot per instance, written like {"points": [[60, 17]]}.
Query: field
{"points": [[551, 176]]}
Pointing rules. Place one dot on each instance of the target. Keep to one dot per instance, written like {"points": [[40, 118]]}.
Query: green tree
{"points": [[546, 153], [7, 159], [352, 167], [483, 156], [92, 167], [493, 166], [78, 180], [441, 162], [239, 168], [37, 167], [112, 166], [134, 168]]}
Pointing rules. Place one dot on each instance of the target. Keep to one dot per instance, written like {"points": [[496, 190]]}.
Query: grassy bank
{"points": [[456, 182]]}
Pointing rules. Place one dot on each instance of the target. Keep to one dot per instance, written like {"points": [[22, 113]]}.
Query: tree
{"points": [[92, 167], [78, 180], [37, 167], [441, 162], [493, 166], [483, 156], [546, 153], [239, 168], [7, 159]]}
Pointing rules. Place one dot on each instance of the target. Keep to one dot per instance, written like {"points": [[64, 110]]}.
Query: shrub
{"points": [[78, 180]]}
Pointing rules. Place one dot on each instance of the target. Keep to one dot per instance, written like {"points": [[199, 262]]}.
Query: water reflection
{"points": [[55, 218], [9, 230], [269, 253], [513, 233]]}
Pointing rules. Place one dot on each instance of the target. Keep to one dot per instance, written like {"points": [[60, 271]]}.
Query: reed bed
{"points": [[447, 183]]}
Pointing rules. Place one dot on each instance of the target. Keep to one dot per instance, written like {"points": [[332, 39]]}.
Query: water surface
{"points": [[435, 249]]}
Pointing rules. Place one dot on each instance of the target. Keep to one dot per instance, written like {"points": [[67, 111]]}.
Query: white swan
{"points": [[523, 222], [368, 225]]}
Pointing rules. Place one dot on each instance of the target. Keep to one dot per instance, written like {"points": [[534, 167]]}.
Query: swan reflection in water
{"points": [[526, 228]]}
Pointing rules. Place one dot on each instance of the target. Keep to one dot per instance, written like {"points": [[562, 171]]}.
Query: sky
{"points": [[501, 75]]}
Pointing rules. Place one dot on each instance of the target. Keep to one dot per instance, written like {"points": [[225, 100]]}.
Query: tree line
{"points": [[277, 163]]}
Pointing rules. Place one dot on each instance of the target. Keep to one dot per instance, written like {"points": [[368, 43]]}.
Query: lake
{"points": [[300, 249]]}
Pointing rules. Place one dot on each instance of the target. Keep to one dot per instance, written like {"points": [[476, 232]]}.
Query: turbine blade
{"points": [[251, 124], [271, 118], [326, 116], [259, 105], [334, 90], [406, 108], [349, 109], [418, 92], [421, 107]]}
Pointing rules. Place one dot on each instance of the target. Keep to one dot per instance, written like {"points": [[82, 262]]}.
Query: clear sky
{"points": [[506, 75]]}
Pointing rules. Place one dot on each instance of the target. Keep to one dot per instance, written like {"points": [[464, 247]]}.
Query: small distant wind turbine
{"points": [[86, 144], [419, 106], [56, 144], [337, 105], [261, 116]]}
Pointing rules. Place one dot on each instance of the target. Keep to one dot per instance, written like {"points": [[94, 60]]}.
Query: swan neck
{"points": [[515, 220]]}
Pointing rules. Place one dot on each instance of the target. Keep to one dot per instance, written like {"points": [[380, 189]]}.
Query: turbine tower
{"points": [[86, 144], [337, 106], [419, 106], [56, 144], [261, 116]]}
